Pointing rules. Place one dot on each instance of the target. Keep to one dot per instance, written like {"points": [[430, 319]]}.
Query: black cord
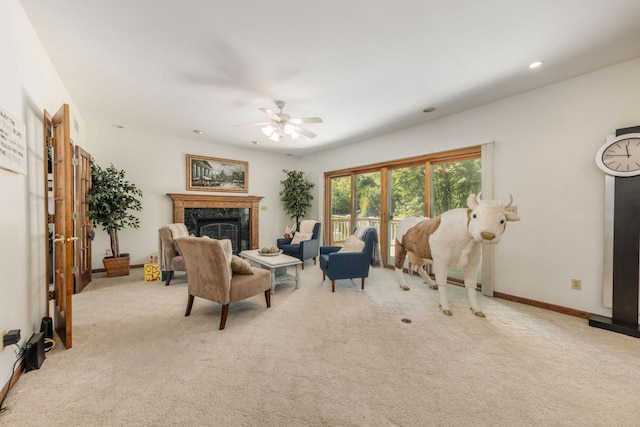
{"points": [[13, 371]]}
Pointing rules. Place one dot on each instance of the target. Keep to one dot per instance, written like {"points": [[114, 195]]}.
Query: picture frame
{"points": [[215, 174]]}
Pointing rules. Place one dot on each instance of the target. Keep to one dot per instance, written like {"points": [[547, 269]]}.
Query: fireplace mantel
{"points": [[182, 201]]}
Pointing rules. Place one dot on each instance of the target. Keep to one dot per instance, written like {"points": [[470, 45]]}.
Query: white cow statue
{"points": [[453, 239]]}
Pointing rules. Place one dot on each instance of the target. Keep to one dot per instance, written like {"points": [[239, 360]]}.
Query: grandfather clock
{"points": [[619, 159]]}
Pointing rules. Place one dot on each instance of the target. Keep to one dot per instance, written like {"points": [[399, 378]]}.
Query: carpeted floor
{"points": [[322, 358]]}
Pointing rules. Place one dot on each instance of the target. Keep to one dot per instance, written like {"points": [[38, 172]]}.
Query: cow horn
{"points": [[479, 197], [510, 201]]}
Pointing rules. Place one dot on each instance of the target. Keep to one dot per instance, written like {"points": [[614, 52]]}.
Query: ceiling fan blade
{"points": [[304, 132], [273, 116], [305, 120], [253, 124]]}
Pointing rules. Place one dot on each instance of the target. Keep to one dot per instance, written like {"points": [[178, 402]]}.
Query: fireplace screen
{"points": [[221, 228]]}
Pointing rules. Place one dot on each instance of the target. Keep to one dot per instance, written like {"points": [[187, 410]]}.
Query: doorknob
{"points": [[58, 238], [69, 239]]}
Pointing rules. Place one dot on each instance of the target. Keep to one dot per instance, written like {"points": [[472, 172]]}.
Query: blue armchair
{"points": [[348, 265], [306, 249]]}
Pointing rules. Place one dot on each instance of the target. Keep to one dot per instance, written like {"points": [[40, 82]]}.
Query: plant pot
{"points": [[117, 266]]}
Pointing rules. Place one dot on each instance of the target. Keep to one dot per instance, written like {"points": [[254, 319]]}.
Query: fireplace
{"points": [[220, 214]]}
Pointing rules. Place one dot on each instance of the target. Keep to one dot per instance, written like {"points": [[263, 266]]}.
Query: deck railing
{"points": [[340, 227]]}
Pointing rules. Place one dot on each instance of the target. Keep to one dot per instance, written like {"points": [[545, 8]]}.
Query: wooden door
{"points": [[63, 238], [83, 224], [48, 208]]}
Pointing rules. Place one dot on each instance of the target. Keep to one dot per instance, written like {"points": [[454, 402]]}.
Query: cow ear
{"points": [[471, 201], [511, 217]]}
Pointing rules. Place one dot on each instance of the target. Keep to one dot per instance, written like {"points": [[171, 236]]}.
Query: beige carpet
{"points": [[322, 358]]}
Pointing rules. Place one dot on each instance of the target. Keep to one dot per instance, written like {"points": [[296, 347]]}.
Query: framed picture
{"points": [[213, 174]]}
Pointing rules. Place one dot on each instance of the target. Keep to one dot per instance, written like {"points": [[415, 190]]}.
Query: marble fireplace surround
{"points": [[182, 201]]}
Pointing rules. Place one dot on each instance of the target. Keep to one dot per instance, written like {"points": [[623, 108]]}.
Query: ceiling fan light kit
{"points": [[282, 124], [276, 132]]}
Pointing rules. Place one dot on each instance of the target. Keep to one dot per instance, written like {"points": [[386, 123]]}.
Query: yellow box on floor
{"points": [[151, 272]]}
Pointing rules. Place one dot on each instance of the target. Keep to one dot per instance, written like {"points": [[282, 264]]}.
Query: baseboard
{"points": [[103, 270], [526, 301], [7, 387], [545, 305]]}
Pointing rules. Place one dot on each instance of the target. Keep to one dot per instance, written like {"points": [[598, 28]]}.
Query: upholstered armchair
{"points": [[214, 273], [303, 249], [170, 258], [353, 260]]}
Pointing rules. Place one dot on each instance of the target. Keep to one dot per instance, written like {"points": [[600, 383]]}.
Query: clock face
{"points": [[620, 156]]}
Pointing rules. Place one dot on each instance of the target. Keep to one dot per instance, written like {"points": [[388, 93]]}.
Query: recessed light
{"points": [[255, 142], [198, 131], [118, 126], [535, 64], [429, 110]]}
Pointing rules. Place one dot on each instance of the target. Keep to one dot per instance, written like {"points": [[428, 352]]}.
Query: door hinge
{"points": [[75, 269], [51, 218], [74, 161], [51, 141], [74, 216]]}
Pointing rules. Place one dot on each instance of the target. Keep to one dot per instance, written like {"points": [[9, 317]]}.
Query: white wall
{"points": [[545, 145], [28, 85], [157, 165]]}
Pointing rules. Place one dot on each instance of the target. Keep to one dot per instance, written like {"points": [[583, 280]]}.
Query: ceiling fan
{"points": [[282, 124]]}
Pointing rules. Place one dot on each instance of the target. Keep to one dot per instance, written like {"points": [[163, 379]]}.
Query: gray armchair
{"points": [[170, 258], [210, 276]]}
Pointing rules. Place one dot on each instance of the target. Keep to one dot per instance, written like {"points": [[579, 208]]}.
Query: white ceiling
{"points": [[367, 67]]}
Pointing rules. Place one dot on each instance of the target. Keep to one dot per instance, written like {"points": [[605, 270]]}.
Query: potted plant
{"points": [[110, 199], [295, 195]]}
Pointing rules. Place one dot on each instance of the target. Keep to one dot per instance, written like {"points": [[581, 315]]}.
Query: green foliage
{"points": [[110, 199], [341, 196], [295, 195], [453, 182], [368, 195], [407, 191]]}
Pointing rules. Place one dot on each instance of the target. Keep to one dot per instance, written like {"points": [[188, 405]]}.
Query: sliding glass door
{"points": [[452, 182], [382, 195], [406, 198]]}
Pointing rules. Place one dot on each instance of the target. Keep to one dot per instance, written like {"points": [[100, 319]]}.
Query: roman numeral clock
{"points": [[619, 159]]}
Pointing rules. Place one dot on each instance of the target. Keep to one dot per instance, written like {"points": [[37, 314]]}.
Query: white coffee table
{"points": [[277, 265]]}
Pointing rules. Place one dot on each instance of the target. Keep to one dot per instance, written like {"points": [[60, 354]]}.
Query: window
{"points": [[383, 194]]}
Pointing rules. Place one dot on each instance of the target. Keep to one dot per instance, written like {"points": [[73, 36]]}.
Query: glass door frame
{"points": [[474, 152]]}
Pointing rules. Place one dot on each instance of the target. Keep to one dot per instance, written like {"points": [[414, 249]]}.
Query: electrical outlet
{"points": [[576, 284], [512, 209], [107, 252], [11, 337]]}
